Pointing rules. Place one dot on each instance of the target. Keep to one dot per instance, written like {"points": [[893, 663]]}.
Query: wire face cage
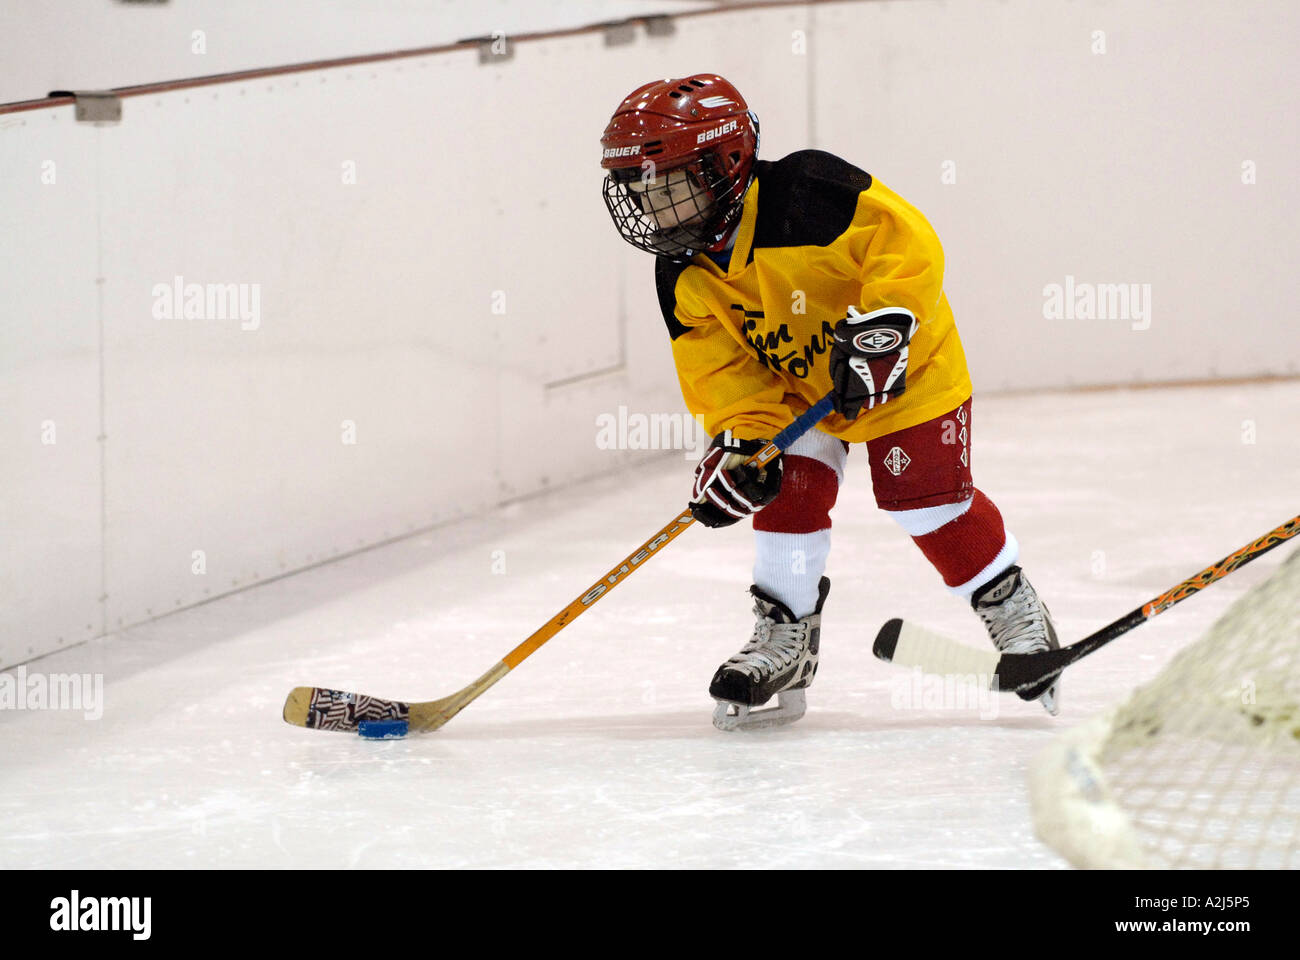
{"points": [[675, 213]]}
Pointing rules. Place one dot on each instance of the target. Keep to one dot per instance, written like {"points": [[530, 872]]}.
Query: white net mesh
{"points": [[1201, 767]]}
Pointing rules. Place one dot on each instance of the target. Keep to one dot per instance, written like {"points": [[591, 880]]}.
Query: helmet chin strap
{"points": [[728, 241], [731, 238]]}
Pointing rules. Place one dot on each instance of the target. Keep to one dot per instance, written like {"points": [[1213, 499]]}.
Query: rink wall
{"points": [[418, 310], [94, 44], [1098, 151], [400, 300]]}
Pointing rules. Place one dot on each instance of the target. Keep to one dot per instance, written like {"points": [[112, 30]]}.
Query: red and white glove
{"points": [[725, 489]]}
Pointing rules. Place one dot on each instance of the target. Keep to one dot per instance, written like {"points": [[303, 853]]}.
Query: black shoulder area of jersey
{"points": [[666, 274], [805, 199]]}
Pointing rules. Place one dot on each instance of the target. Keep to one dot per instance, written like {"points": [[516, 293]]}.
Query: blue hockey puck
{"points": [[383, 729]]}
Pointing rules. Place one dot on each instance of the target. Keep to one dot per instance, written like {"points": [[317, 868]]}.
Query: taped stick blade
{"points": [[320, 708], [908, 645]]}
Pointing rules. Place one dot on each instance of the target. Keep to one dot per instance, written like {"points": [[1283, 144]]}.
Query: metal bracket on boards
{"points": [[619, 33], [94, 106], [660, 25]]}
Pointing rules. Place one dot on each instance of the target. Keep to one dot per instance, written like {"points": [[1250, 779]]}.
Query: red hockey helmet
{"points": [[680, 157]]}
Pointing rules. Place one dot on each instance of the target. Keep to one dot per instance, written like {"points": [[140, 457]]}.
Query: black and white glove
{"points": [[727, 490], [869, 358]]}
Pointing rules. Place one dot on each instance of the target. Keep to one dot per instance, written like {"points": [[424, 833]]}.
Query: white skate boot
{"points": [[1018, 621], [780, 658]]}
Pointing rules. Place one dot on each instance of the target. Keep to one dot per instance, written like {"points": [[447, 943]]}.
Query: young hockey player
{"points": [[780, 282]]}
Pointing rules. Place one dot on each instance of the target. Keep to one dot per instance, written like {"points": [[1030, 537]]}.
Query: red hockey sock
{"points": [[808, 491], [963, 548]]}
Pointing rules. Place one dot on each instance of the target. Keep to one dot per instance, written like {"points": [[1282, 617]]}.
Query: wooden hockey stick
{"points": [[912, 646], [323, 709]]}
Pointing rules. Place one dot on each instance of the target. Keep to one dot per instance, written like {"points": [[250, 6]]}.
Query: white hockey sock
{"points": [[788, 567]]}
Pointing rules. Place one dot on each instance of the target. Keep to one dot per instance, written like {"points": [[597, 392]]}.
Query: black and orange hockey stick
{"points": [[1029, 674], [323, 709]]}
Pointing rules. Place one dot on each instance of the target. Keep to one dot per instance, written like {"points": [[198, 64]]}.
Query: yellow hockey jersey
{"points": [[751, 341]]}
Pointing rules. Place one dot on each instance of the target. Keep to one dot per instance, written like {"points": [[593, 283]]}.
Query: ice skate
{"points": [[1018, 621], [780, 659]]}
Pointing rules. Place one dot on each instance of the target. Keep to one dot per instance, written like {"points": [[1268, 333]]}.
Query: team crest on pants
{"points": [[896, 461]]}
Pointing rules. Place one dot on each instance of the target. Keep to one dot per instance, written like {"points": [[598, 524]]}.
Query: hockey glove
{"points": [[725, 489], [869, 358]]}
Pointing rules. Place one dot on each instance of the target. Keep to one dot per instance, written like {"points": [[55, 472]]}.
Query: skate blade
{"points": [[1049, 699], [730, 716]]}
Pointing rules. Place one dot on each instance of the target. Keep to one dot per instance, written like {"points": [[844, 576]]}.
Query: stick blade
{"points": [[887, 640], [297, 706], [908, 645], [1030, 674], [319, 708]]}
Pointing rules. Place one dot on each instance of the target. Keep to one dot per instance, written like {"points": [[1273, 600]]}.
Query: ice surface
{"points": [[598, 751]]}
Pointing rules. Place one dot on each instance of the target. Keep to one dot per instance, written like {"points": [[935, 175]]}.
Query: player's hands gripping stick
{"points": [[725, 488]]}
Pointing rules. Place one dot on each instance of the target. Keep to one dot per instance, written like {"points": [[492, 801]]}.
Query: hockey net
{"points": [[1199, 768]]}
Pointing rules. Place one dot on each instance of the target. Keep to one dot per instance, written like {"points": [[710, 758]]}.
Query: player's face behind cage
{"points": [[672, 200], [674, 213]]}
